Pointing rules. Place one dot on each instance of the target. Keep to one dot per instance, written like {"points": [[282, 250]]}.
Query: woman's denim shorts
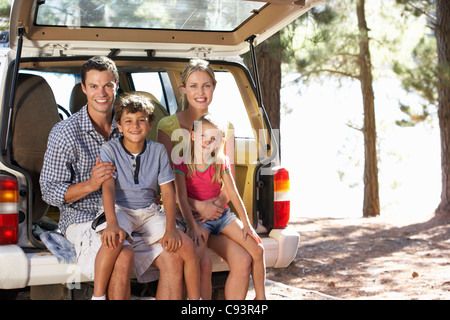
{"points": [[216, 226]]}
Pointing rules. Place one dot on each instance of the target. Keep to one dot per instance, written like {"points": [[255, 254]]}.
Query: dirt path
{"points": [[372, 258]]}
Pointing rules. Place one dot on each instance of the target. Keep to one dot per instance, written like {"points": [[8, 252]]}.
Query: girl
{"points": [[200, 175]]}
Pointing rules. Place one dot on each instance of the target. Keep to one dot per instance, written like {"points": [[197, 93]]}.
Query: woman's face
{"points": [[199, 90]]}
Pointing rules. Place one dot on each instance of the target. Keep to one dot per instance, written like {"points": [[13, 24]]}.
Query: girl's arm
{"points": [[112, 230], [229, 152], [183, 201], [238, 204]]}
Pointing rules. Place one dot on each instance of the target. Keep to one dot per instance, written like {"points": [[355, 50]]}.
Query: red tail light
{"points": [[282, 202], [9, 210]]}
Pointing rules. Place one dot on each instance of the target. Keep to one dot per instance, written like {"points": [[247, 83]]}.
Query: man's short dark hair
{"points": [[99, 63]]}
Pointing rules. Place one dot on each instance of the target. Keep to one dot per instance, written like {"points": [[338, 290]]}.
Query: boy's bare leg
{"points": [[119, 283]]}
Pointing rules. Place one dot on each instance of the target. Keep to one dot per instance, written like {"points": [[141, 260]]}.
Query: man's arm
{"points": [[101, 172]]}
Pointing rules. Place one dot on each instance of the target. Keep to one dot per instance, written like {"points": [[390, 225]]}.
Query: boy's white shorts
{"points": [[145, 227]]}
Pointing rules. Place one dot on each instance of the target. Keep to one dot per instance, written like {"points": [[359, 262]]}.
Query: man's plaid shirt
{"points": [[72, 149]]}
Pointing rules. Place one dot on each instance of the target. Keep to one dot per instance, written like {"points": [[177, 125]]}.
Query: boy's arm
{"points": [[171, 240], [112, 230]]}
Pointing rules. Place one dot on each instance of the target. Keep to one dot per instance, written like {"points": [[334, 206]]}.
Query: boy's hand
{"points": [[113, 236], [171, 241]]}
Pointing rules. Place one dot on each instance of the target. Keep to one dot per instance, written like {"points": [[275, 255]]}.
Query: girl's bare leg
{"points": [[191, 267], [205, 273]]}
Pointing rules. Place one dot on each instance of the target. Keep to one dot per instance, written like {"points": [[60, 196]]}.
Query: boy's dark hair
{"points": [[132, 103], [99, 63]]}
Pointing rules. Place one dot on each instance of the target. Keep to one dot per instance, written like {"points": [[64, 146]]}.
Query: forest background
{"points": [[354, 86]]}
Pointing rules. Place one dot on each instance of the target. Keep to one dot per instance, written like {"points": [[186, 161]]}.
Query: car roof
{"points": [[169, 28]]}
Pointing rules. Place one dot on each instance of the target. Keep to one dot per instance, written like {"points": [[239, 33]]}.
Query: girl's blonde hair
{"points": [[192, 66], [216, 154]]}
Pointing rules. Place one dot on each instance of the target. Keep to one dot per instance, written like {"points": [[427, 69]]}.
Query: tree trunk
{"points": [[371, 206], [442, 32], [268, 57]]}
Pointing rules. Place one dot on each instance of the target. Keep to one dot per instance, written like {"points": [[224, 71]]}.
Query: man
{"points": [[72, 176]]}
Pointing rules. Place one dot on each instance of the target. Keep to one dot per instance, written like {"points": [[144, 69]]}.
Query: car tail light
{"points": [[282, 202], [9, 210]]}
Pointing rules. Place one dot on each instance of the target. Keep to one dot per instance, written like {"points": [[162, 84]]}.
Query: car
{"points": [[151, 42]]}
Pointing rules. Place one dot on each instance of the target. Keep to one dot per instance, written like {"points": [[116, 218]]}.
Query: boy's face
{"points": [[134, 126]]}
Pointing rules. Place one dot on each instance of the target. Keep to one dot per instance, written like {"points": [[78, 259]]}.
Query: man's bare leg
{"points": [[170, 284]]}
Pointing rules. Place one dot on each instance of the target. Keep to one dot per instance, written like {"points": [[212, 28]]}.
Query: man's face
{"points": [[100, 90]]}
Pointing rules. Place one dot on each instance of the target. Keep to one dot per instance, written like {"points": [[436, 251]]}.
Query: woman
{"points": [[198, 85]]}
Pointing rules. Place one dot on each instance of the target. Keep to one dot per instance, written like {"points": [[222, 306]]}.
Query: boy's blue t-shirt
{"points": [[137, 177]]}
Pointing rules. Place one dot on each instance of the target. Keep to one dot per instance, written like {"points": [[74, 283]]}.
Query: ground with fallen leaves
{"points": [[369, 258]]}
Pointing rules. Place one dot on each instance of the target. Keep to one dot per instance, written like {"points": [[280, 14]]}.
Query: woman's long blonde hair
{"points": [[217, 155], [192, 66]]}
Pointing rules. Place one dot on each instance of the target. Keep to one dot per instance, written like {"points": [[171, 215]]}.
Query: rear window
{"points": [[213, 15], [227, 102]]}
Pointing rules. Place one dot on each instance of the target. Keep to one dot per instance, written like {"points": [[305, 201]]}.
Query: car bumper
{"points": [[19, 269], [280, 246]]}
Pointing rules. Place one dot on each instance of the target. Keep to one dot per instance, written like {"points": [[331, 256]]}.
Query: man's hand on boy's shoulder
{"points": [[101, 172]]}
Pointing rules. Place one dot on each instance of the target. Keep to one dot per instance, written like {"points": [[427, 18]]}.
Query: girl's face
{"points": [[199, 90], [207, 139]]}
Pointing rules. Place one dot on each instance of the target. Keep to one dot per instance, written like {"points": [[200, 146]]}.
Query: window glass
{"points": [[61, 84], [158, 84], [227, 102], [213, 15], [228, 105]]}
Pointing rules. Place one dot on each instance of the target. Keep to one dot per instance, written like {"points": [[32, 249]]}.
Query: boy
{"points": [[129, 196]]}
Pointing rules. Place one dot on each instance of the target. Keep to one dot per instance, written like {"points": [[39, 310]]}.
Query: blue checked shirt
{"points": [[72, 149]]}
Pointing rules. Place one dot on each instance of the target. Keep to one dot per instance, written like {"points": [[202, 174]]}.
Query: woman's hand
{"points": [[207, 210]]}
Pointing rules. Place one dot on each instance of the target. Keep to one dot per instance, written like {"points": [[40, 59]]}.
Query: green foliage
{"points": [[421, 74], [5, 8]]}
